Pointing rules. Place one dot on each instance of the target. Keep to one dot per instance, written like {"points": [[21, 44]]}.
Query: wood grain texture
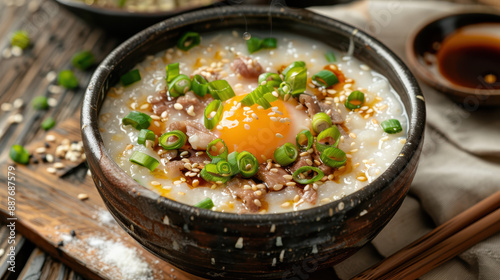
{"points": [[48, 209]]}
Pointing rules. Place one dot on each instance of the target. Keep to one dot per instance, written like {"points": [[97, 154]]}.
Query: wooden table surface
{"points": [[47, 204]]}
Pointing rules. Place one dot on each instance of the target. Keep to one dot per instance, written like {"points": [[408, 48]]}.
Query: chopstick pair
{"points": [[440, 245]]}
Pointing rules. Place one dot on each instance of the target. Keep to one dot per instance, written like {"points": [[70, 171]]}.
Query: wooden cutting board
{"points": [[48, 209]]}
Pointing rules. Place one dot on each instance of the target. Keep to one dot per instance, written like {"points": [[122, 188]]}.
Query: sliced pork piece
{"points": [[174, 168], [236, 188], [271, 177], [332, 112], [199, 135], [160, 103], [311, 195], [311, 103], [300, 162], [325, 168], [247, 67]]}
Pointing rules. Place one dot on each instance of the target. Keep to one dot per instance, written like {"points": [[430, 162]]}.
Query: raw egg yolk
{"points": [[254, 129]]}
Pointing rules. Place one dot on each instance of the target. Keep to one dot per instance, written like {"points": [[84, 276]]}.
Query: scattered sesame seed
{"points": [[274, 170], [178, 106], [361, 178], [51, 170], [352, 135], [181, 193], [353, 150], [288, 177], [291, 183], [178, 182], [83, 196], [59, 165], [317, 162], [247, 126], [40, 150], [402, 141], [49, 158], [286, 205], [385, 138], [6, 107], [279, 135], [185, 153], [195, 183], [258, 193], [296, 198], [277, 187], [274, 119], [247, 187], [309, 162], [155, 183], [257, 202]]}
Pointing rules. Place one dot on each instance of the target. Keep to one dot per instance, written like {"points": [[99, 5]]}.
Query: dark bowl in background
{"points": [[122, 23], [201, 241], [424, 40]]}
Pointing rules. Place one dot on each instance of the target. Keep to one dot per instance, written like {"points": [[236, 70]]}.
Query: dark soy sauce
{"points": [[471, 59]]}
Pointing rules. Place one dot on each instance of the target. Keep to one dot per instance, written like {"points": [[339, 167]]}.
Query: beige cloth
{"points": [[460, 162]]}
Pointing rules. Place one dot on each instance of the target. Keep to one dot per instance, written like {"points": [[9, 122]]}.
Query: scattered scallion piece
{"points": [[130, 77], [179, 85], [20, 39], [48, 123], [286, 154], [391, 126], [40, 103], [137, 119], [304, 140], [172, 71], [188, 41], [213, 113], [321, 121], [272, 79], [325, 78], [206, 203], [19, 154], [83, 60], [330, 57], [293, 65], [67, 79], [172, 140], [221, 89], [208, 173], [269, 43], [329, 137], [224, 168], [333, 157], [248, 164], [261, 95], [297, 78], [145, 160], [254, 44], [217, 146], [301, 178], [199, 85], [355, 100], [284, 89], [145, 134]]}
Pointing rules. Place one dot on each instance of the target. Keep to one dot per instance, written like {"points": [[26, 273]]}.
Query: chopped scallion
{"points": [[220, 89], [217, 149], [145, 134], [293, 65], [188, 41], [269, 43], [137, 119], [333, 157], [199, 85], [208, 173], [232, 159], [297, 78], [286, 154], [67, 79], [355, 100], [19, 154], [172, 71], [179, 85], [145, 160], [329, 137], [206, 203], [304, 140], [48, 123], [130, 77], [254, 44], [330, 57], [300, 175], [391, 126], [213, 113], [172, 140], [20, 39], [321, 121], [325, 78], [83, 60], [224, 168], [272, 79], [40, 103], [248, 164]]}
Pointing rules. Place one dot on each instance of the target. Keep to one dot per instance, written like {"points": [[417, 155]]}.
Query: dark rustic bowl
{"points": [[424, 40], [202, 242]]}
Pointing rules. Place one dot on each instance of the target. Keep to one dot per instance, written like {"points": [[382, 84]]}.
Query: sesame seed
{"points": [[279, 135], [325, 200], [310, 151], [364, 108], [164, 114], [83, 196], [40, 150], [317, 162], [291, 183], [247, 126], [274, 119], [361, 178], [309, 162], [51, 170], [257, 202], [219, 127], [178, 182], [261, 186], [255, 116], [385, 138], [374, 121], [59, 165], [277, 187], [353, 150], [274, 170], [181, 193], [352, 135], [288, 177], [49, 158], [331, 177], [195, 183], [6, 107], [129, 146], [296, 198], [303, 154], [286, 204], [275, 94], [185, 153], [402, 141], [364, 67], [155, 183], [247, 187], [188, 166], [347, 156], [178, 106], [258, 193], [50, 138], [307, 187]]}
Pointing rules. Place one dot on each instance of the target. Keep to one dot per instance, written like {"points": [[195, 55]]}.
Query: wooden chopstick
{"points": [[440, 245]]}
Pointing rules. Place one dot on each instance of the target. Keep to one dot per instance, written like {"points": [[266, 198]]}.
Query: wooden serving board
{"points": [[48, 208]]}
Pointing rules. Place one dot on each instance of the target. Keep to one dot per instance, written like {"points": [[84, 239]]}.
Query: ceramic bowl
{"points": [[202, 242], [425, 41]]}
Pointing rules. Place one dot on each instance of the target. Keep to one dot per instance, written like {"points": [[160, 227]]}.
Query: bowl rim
{"points": [[426, 75], [415, 133]]}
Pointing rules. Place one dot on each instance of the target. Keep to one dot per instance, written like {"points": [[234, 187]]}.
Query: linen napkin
{"points": [[460, 161]]}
